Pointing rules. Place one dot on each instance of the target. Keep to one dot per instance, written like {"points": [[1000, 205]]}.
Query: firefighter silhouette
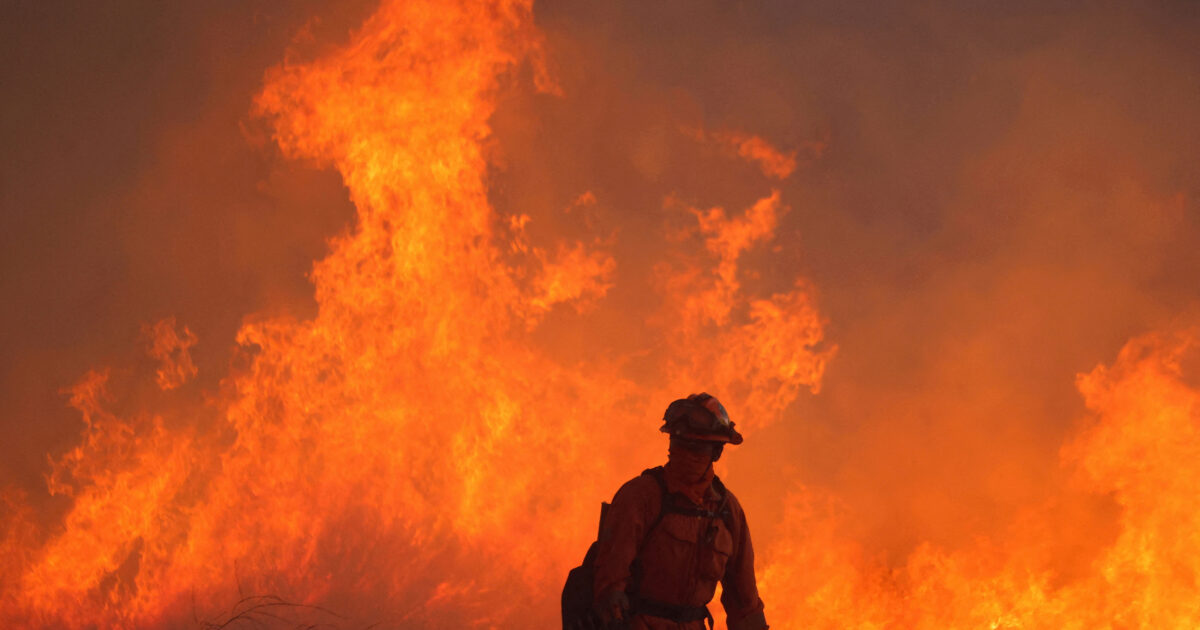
{"points": [[670, 535]]}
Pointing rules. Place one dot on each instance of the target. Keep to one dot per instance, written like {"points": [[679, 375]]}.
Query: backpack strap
{"points": [[723, 510], [635, 573], [659, 476]]}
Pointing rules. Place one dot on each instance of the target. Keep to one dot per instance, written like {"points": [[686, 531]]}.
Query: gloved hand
{"points": [[613, 607]]}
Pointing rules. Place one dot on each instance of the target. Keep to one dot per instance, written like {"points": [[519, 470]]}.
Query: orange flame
{"points": [[772, 162], [414, 456], [1140, 446], [171, 348], [408, 455]]}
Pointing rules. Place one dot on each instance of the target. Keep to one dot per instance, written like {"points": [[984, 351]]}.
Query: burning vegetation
{"points": [[428, 450]]}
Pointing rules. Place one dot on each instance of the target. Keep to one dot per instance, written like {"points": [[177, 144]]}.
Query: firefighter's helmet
{"points": [[700, 417]]}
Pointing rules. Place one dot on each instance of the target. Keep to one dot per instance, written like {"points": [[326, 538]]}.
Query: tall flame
{"points": [[416, 456], [409, 455]]}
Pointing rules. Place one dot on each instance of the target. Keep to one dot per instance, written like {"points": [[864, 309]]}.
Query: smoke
{"points": [[1002, 197], [137, 187], [983, 202]]}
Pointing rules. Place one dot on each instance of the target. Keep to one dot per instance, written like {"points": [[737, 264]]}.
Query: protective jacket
{"points": [[681, 558]]}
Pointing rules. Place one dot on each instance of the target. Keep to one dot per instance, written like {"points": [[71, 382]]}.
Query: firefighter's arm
{"points": [[739, 589], [620, 536]]}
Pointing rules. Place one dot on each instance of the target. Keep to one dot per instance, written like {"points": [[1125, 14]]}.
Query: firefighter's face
{"points": [[702, 451]]}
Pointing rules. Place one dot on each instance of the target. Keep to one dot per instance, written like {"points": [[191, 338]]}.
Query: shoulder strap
{"points": [[636, 569], [658, 475], [723, 507], [719, 486]]}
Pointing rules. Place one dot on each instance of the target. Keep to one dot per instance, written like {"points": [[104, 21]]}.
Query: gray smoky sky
{"points": [[1006, 194]]}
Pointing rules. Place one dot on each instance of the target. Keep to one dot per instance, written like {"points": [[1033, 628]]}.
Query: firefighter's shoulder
{"points": [[641, 490]]}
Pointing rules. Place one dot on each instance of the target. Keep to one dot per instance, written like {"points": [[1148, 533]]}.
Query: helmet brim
{"points": [[733, 438]]}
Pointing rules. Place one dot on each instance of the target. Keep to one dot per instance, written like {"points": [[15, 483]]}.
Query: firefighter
{"points": [[674, 531]]}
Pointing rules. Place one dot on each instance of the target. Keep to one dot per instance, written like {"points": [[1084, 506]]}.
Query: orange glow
{"points": [[171, 349], [769, 159], [773, 162], [415, 455], [1139, 446], [407, 445]]}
